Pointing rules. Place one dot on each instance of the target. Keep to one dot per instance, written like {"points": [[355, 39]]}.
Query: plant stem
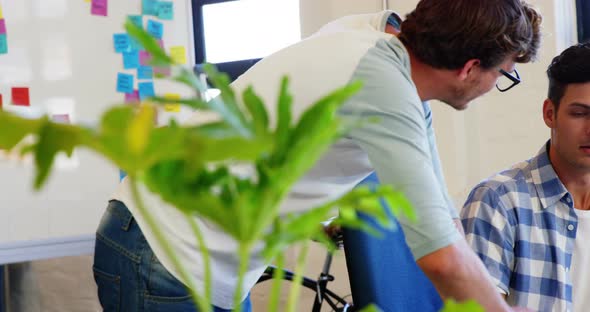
{"points": [[204, 253], [297, 279], [273, 303], [203, 303], [244, 253]]}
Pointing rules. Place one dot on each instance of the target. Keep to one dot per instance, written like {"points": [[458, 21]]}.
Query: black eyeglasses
{"points": [[515, 79]]}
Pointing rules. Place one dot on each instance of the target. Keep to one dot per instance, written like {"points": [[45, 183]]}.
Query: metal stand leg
{"points": [[3, 288]]}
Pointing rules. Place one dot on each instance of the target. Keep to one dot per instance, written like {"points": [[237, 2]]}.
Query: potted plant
{"points": [[189, 166]]}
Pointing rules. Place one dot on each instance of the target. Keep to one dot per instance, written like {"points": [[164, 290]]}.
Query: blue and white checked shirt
{"points": [[522, 224]]}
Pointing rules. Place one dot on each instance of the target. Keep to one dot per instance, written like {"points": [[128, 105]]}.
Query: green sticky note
{"points": [[3, 44], [136, 19], [166, 10]]}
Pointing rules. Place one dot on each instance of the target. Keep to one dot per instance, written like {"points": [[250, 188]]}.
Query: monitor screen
{"points": [[249, 29]]}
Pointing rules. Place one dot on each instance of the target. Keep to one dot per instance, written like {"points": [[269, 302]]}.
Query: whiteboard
{"points": [[66, 57]]}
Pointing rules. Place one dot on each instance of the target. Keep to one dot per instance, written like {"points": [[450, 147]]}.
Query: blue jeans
{"points": [[128, 274]]}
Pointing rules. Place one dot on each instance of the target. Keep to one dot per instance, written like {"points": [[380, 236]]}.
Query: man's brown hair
{"points": [[447, 33]]}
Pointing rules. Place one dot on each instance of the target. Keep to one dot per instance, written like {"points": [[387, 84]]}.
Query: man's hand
{"points": [[456, 272]]}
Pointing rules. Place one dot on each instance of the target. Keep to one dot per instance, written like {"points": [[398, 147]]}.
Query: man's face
{"points": [[570, 129], [479, 82]]}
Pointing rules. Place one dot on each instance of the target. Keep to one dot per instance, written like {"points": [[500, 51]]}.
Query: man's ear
{"points": [[549, 113], [468, 68]]}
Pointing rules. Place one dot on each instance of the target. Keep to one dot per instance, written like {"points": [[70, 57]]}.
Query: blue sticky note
{"points": [[136, 20], [149, 7], [122, 43], [134, 44], [3, 44], [146, 90], [124, 83], [145, 72], [155, 29], [166, 10], [131, 59]]}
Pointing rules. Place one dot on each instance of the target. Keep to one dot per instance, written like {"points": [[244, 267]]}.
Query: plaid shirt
{"points": [[522, 224]]}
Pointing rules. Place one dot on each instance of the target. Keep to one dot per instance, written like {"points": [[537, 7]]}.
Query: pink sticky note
{"points": [[2, 26], [132, 97], [61, 118], [144, 58], [99, 7], [161, 71]]}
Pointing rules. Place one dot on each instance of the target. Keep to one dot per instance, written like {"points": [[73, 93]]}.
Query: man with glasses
{"points": [[448, 50], [530, 224]]}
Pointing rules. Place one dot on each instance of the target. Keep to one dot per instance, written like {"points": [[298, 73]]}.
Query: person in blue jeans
{"points": [[128, 274]]}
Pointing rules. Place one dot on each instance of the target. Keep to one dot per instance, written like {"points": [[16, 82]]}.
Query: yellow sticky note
{"points": [[86, 0], [1, 15], [173, 106], [178, 54]]}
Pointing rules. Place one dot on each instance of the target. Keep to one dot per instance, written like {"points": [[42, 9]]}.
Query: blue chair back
{"points": [[382, 270]]}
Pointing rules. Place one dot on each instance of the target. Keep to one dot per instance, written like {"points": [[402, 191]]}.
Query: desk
{"points": [[15, 252]]}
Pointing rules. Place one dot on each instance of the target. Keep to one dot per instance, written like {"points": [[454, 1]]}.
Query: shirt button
{"points": [[570, 227], [568, 200]]}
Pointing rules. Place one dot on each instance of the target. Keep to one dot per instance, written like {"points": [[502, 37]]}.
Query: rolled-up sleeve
{"points": [[398, 149]]}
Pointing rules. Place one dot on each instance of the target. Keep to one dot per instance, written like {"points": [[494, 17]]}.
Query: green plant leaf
{"points": [[371, 308], [139, 129], [14, 129], [283, 128], [467, 306], [257, 110]]}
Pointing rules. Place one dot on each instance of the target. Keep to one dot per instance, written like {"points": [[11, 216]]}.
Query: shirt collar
{"points": [[549, 188]]}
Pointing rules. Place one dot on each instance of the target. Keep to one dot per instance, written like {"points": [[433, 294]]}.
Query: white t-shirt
{"points": [[580, 268]]}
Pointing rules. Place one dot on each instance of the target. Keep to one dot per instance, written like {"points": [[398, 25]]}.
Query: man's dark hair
{"points": [[446, 34], [571, 66]]}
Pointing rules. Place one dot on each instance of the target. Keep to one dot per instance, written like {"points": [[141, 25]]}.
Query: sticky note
{"points": [[160, 71], [149, 7], [178, 54], [155, 29], [124, 83], [131, 60], [136, 20], [134, 44], [99, 7], [132, 97], [145, 57], [122, 43], [2, 26], [86, 0], [3, 44], [20, 96], [61, 118], [1, 14], [166, 10], [173, 106], [145, 72], [146, 90]]}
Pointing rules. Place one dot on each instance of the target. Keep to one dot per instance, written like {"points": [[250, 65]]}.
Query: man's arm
{"points": [[398, 149], [457, 273]]}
